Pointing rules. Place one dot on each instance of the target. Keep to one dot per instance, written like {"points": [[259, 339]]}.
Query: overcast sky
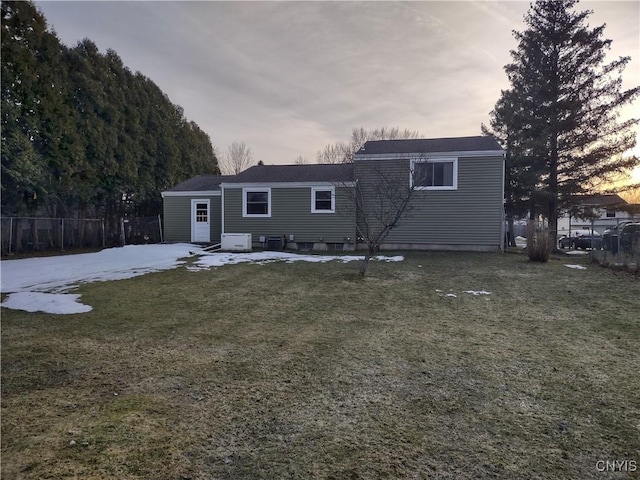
{"points": [[289, 78]]}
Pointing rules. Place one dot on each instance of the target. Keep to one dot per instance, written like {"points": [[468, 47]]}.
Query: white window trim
{"points": [[323, 189], [244, 202], [453, 160]]}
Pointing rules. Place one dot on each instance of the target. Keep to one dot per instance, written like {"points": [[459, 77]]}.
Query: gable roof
{"points": [[430, 145], [200, 183], [323, 172]]}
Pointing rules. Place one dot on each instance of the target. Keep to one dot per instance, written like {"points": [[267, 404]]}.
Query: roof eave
{"points": [[346, 183], [409, 155], [191, 193]]}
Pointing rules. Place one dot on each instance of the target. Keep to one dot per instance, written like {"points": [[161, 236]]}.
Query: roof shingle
{"points": [[430, 145], [201, 183], [341, 172]]}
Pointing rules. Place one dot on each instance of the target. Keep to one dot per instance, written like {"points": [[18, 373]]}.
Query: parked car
{"points": [[630, 238], [583, 242], [611, 237], [566, 242]]}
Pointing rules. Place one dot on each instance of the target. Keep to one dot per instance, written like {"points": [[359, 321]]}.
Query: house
{"points": [[308, 206], [458, 198], [456, 201], [595, 211], [192, 210]]}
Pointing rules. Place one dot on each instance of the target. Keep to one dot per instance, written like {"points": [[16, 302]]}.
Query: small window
{"points": [[611, 212], [435, 174], [202, 212], [256, 203], [323, 200]]}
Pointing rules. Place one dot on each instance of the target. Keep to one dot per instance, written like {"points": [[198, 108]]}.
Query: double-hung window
{"points": [[323, 200], [256, 202], [434, 174]]}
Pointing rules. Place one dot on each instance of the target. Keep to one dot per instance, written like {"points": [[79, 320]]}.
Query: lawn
{"points": [[306, 371]]}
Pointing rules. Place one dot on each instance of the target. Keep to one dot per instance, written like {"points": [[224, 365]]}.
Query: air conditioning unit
{"points": [[236, 242]]}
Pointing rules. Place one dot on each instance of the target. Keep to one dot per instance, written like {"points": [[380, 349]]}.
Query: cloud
{"points": [[290, 77]]}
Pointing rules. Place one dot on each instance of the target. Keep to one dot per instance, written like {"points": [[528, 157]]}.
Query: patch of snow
{"points": [[470, 292], [576, 252], [61, 273], [224, 258], [34, 283], [42, 284], [60, 303], [577, 267]]}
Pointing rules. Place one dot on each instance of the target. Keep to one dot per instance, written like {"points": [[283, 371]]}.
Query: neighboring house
{"points": [[457, 202], [595, 211]]}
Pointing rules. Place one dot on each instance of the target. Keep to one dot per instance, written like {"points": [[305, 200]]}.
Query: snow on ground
{"points": [[577, 267], [63, 303], [61, 273], [576, 252], [224, 258], [475, 293], [41, 284]]}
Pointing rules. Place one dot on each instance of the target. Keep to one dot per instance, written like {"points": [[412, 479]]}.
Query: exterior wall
{"points": [[468, 218], [177, 217], [291, 215]]}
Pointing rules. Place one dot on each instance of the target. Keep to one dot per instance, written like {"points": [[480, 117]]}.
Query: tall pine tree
{"points": [[560, 118]]}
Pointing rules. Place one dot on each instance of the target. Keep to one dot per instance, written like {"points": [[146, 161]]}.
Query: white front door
{"points": [[200, 221]]}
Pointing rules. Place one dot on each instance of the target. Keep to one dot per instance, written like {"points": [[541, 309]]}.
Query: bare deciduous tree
{"points": [[382, 198], [343, 152], [334, 153], [238, 157], [300, 160]]}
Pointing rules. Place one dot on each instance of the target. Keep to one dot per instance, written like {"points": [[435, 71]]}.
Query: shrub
{"points": [[539, 244]]}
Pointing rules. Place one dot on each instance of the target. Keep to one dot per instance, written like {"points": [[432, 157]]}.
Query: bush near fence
{"points": [[32, 234]]}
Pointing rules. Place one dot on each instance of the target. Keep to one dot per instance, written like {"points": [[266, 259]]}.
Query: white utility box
{"points": [[236, 242]]}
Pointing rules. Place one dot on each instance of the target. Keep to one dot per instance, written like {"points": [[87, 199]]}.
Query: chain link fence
{"points": [[141, 230], [33, 234]]}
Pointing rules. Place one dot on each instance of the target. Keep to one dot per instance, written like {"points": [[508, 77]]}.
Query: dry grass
{"points": [[307, 371]]}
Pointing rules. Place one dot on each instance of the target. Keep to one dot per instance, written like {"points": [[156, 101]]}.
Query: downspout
{"points": [[222, 208]]}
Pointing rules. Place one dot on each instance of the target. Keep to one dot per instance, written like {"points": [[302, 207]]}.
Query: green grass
{"points": [[307, 371]]}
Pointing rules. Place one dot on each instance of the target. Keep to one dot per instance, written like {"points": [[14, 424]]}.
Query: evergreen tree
{"points": [[560, 116], [29, 103], [81, 133]]}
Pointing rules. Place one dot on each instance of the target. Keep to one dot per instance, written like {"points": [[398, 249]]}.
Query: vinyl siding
{"points": [[470, 216], [177, 218], [291, 215]]}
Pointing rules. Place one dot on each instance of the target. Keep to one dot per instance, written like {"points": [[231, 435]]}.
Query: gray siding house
{"points": [[456, 185], [457, 201], [308, 206], [192, 210]]}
